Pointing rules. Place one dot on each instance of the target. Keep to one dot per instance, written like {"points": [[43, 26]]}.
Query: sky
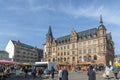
{"points": [[28, 20]]}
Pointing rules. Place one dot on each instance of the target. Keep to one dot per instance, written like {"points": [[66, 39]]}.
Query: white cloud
{"points": [[10, 34], [109, 16], [31, 7]]}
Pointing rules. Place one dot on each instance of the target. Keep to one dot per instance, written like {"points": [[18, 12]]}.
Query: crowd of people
{"points": [[40, 72], [106, 74]]}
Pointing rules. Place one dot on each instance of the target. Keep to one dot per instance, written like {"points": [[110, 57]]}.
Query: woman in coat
{"points": [[64, 74], [91, 73]]}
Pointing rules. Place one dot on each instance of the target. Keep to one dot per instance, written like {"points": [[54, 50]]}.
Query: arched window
{"points": [[95, 57], [73, 58], [89, 58], [64, 59], [68, 59]]}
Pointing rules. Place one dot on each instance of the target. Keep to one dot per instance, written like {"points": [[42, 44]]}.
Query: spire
{"points": [[101, 22], [101, 26], [50, 32], [73, 29]]}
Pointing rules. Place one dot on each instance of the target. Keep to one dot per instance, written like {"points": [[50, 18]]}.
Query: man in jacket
{"points": [[64, 74], [52, 72], [91, 73]]}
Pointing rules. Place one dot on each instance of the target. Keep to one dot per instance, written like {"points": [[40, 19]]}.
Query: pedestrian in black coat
{"points": [[91, 74], [52, 72], [64, 74]]}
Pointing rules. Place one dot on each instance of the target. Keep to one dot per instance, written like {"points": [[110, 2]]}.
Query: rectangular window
{"points": [[80, 51], [67, 46], [58, 48], [94, 50], [73, 52], [64, 47], [89, 50], [73, 46], [68, 53], [89, 42], [84, 51], [61, 48], [64, 53], [73, 58], [79, 44]]}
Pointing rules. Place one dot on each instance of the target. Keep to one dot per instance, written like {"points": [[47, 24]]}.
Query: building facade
{"points": [[93, 45], [20, 52], [4, 55]]}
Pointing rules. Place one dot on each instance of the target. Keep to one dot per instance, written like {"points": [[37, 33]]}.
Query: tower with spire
{"points": [[49, 36], [101, 28]]}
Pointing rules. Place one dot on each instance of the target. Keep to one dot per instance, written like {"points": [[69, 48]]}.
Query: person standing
{"points": [[26, 71], [64, 74], [52, 72], [107, 71], [60, 74], [46, 72], [91, 73], [34, 72], [115, 70]]}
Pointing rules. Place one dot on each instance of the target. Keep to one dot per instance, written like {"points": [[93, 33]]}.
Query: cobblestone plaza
{"points": [[72, 76]]}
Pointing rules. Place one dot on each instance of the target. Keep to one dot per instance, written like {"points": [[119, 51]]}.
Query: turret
{"points": [[101, 28]]}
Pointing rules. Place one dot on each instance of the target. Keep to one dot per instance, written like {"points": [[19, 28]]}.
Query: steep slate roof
{"points": [[3, 52], [83, 35], [109, 38], [49, 34], [22, 44]]}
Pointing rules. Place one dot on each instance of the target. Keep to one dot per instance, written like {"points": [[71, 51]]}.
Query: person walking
{"points": [[64, 74], [60, 74], [46, 72], [107, 72], [34, 72], [115, 70], [91, 73], [52, 72], [26, 71]]}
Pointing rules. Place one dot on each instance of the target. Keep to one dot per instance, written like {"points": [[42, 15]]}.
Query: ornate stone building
{"points": [[93, 46]]}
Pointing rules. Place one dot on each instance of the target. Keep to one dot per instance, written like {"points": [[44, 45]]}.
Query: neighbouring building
{"points": [[20, 52], [117, 58], [93, 45], [4, 55]]}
